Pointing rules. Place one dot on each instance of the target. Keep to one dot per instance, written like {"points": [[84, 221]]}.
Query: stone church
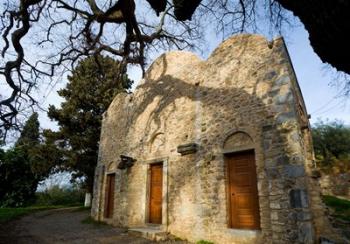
{"points": [[217, 150]]}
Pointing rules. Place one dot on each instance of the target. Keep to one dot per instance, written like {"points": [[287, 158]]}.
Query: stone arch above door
{"points": [[111, 167], [238, 141], [157, 143]]}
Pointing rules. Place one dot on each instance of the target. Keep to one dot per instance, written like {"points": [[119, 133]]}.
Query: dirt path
{"points": [[63, 226]]}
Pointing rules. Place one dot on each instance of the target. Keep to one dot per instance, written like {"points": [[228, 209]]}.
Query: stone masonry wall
{"points": [[246, 89]]}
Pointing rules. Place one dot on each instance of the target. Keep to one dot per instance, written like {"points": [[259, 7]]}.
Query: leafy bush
{"points": [[60, 196]]}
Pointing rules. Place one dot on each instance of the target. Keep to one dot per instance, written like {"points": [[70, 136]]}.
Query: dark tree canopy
{"points": [[19, 167], [91, 88], [17, 182], [327, 23], [44, 38]]}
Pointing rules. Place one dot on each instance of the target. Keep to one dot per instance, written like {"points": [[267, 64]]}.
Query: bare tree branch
{"points": [[69, 30], [44, 38]]}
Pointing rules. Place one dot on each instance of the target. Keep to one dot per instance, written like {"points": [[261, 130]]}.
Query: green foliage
{"points": [[17, 181], [91, 88], [340, 207], [204, 242], [331, 142], [19, 174], [60, 196], [30, 134]]}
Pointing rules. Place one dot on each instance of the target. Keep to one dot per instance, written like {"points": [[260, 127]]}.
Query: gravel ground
{"points": [[64, 226]]}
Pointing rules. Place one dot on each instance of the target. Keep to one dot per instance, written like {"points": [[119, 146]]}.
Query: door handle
{"points": [[233, 194]]}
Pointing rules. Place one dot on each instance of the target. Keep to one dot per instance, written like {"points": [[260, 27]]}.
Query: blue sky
{"points": [[321, 97], [317, 81]]}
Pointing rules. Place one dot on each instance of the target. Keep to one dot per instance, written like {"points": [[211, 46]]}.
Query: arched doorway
{"points": [[242, 192]]}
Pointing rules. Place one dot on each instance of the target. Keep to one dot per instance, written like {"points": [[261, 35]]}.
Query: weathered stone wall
{"points": [[246, 89]]}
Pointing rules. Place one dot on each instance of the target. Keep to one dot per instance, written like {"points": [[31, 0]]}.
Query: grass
{"points": [[204, 242], [340, 207], [8, 214]]}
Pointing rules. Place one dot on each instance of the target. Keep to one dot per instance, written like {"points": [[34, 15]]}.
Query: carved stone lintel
{"points": [[187, 148], [126, 162]]}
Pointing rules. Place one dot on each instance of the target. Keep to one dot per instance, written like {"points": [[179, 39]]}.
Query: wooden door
{"points": [[156, 192], [242, 190], [109, 196]]}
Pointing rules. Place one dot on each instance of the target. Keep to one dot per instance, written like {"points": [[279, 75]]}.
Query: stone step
{"points": [[150, 233]]}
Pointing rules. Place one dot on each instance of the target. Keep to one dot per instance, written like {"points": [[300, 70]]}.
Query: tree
{"points": [[19, 174], [30, 134], [327, 24], [331, 141], [91, 88], [40, 157], [65, 31]]}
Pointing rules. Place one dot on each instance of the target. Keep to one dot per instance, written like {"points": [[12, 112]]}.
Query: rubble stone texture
{"points": [[244, 96]]}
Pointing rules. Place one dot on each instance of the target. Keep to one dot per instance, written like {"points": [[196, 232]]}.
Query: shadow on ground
{"points": [[64, 226]]}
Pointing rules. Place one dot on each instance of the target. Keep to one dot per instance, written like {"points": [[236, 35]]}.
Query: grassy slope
{"points": [[341, 207]]}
